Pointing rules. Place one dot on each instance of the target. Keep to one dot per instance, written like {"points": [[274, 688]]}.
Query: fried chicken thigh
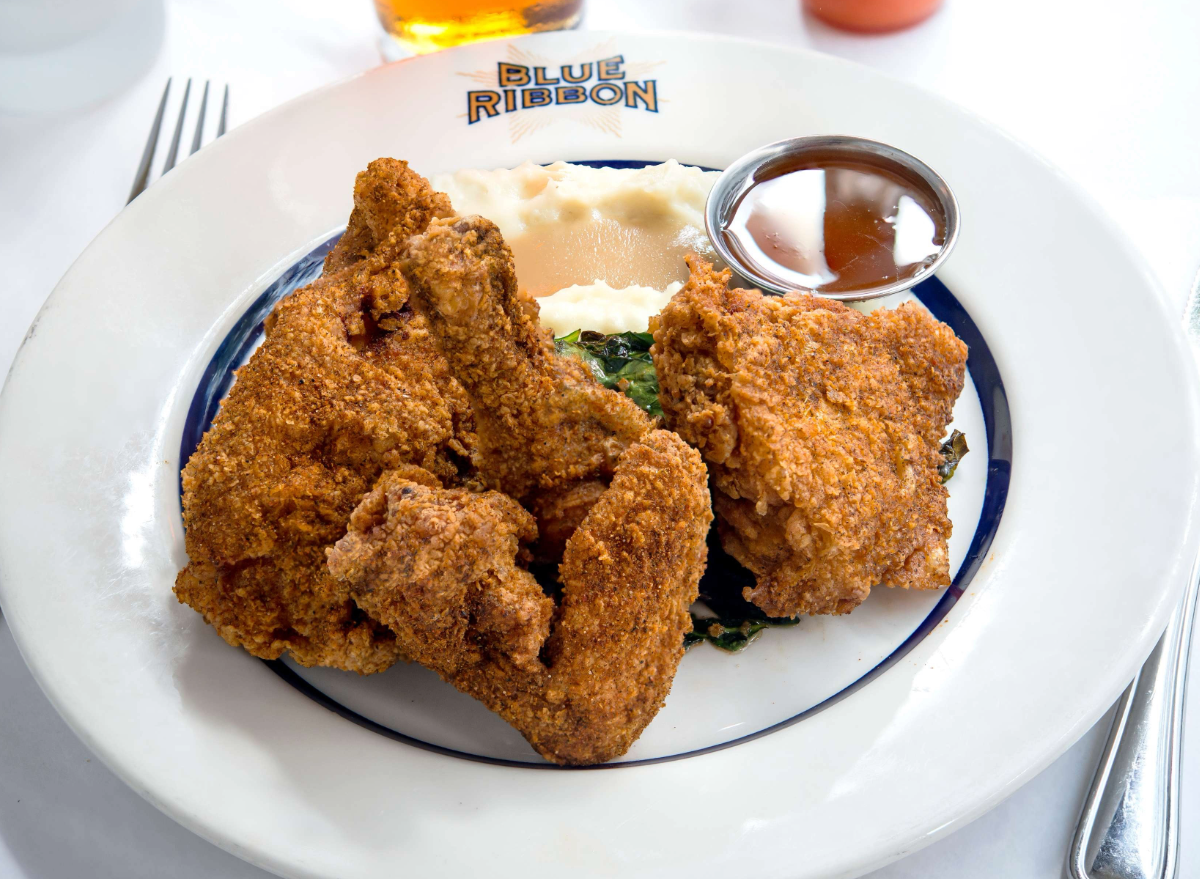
{"points": [[821, 427], [437, 567], [346, 385]]}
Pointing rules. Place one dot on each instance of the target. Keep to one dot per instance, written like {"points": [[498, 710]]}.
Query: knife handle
{"points": [[1129, 827]]}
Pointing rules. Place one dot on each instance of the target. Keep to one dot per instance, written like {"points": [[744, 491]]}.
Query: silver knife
{"points": [[1129, 826]]}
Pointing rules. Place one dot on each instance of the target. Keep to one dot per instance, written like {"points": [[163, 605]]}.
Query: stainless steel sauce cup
{"points": [[783, 156]]}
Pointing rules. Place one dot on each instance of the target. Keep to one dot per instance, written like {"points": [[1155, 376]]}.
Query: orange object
{"points": [[872, 16]]}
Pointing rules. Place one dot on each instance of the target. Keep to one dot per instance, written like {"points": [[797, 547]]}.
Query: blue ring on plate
{"points": [[933, 294]]}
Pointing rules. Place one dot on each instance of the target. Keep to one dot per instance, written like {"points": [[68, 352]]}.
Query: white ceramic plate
{"points": [[823, 750]]}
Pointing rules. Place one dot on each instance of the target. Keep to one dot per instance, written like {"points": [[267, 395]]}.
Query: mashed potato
{"points": [[599, 307], [602, 248]]}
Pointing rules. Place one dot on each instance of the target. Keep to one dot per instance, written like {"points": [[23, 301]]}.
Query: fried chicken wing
{"points": [[821, 428], [346, 385], [438, 567], [629, 573], [542, 421]]}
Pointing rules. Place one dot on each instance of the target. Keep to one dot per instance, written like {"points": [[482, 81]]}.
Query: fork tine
{"points": [[224, 112], [200, 121], [142, 177], [173, 152]]}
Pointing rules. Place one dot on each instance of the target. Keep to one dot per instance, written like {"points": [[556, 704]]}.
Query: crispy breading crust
{"points": [[821, 427], [438, 567], [346, 385], [542, 420], [629, 574], [559, 511], [415, 554], [390, 199]]}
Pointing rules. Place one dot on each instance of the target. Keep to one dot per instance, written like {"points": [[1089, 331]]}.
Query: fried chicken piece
{"points": [[629, 573], [438, 567], [542, 421], [821, 427], [346, 385], [390, 199]]}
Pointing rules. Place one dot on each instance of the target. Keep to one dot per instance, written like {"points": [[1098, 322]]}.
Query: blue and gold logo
{"points": [[523, 87], [593, 86]]}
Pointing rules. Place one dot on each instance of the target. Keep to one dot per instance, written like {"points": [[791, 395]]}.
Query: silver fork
{"points": [[142, 178]]}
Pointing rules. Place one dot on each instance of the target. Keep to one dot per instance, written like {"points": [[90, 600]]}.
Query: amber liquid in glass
{"points": [[429, 25]]}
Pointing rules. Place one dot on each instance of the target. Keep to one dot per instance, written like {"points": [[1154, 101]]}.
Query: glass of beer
{"points": [[420, 26]]}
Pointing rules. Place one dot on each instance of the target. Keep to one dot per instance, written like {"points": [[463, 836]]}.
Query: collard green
{"points": [[728, 634], [737, 622], [954, 449], [620, 362]]}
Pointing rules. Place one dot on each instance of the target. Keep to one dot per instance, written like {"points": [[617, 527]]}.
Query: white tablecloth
{"points": [[1108, 92]]}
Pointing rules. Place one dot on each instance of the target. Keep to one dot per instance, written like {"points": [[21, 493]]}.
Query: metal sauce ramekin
{"points": [[776, 158]]}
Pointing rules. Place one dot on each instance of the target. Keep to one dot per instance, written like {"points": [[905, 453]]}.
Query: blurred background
{"points": [[1107, 92]]}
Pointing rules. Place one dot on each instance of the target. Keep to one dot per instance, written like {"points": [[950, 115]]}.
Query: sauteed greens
{"points": [[620, 362], [953, 450]]}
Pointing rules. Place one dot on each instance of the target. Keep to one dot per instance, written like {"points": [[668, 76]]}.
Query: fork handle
{"points": [[1129, 827]]}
